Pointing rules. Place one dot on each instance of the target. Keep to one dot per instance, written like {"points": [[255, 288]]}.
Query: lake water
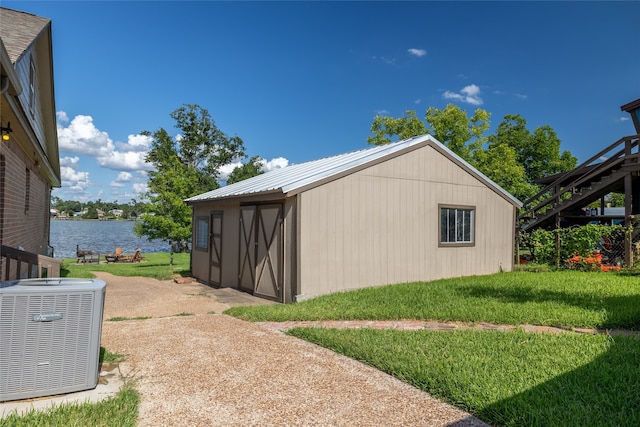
{"points": [[100, 237]]}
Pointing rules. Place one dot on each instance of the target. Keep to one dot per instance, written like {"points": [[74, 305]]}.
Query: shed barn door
{"points": [[261, 244], [246, 272], [215, 248]]}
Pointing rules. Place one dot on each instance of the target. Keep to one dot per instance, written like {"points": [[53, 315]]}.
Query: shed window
{"points": [[202, 233], [457, 225]]}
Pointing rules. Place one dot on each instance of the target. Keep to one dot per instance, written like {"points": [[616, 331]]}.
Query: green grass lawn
{"points": [[154, 265], [505, 378], [565, 299]]}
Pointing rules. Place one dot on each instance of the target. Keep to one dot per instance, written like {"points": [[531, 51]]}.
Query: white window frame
{"points": [[456, 226]]}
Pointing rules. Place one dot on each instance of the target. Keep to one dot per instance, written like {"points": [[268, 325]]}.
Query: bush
{"points": [[577, 240]]}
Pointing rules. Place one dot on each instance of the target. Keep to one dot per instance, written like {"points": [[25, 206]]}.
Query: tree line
{"points": [[91, 209]]}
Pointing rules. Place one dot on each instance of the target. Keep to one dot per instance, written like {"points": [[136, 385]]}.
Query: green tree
{"points": [[616, 199], [499, 163], [451, 126], [183, 167], [513, 157], [250, 169], [538, 152], [464, 136], [387, 129], [461, 134]]}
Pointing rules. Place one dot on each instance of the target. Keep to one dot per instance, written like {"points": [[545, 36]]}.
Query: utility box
{"points": [[49, 336]]}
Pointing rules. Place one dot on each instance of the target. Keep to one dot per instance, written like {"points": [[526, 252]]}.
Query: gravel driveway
{"points": [[209, 369]]}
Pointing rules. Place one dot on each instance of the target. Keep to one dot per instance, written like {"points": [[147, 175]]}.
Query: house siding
{"points": [[22, 227], [23, 68], [381, 226]]}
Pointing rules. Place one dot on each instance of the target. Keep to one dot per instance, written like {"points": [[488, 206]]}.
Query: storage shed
{"points": [[406, 211]]}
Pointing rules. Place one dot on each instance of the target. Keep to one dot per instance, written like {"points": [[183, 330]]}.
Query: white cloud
{"points": [[137, 143], [417, 52], [520, 96], [417, 101], [81, 136], [69, 161], [277, 163], [226, 170], [140, 187], [124, 177], [130, 160], [74, 180], [62, 116], [382, 113], [623, 119], [469, 94]]}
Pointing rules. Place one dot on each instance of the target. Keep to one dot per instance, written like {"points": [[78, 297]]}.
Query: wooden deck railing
{"points": [[19, 264], [622, 155]]}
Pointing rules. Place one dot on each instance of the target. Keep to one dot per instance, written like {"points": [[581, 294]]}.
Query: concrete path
{"points": [[194, 366]]}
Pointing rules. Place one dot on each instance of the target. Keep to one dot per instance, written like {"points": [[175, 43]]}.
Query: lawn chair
{"points": [[136, 257], [114, 257]]}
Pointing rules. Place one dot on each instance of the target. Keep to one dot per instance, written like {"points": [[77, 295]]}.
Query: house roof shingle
{"points": [[291, 179], [18, 30]]}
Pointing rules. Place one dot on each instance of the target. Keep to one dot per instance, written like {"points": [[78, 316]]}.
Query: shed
{"points": [[406, 211]]}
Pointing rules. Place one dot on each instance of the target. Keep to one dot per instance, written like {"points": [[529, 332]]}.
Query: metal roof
{"points": [[290, 179]]}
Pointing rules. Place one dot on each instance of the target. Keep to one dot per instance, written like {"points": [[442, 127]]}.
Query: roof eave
{"points": [[277, 194], [15, 88]]}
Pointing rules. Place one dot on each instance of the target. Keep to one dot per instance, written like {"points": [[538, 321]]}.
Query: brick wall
{"points": [[24, 212]]}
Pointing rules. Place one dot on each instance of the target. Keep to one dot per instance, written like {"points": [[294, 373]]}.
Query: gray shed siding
{"points": [[375, 223], [231, 244], [381, 226]]}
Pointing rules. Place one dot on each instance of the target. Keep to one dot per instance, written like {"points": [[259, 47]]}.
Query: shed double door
{"points": [[261, 249]]}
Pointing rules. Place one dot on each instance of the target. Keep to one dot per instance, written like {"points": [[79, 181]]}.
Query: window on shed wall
{"points": [[457, 225], [202, 233]]}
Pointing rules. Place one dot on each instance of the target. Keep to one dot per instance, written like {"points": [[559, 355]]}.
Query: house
{"points": [[29, 159], [407, 211]]}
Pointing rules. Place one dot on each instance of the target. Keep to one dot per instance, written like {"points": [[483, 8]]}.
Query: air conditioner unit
{"points": [[49, 336]]}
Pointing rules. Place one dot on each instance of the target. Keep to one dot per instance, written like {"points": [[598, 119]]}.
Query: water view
{"points": [[100, 237]]}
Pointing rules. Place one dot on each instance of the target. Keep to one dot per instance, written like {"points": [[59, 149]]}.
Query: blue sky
{"points": [[298, 81]]}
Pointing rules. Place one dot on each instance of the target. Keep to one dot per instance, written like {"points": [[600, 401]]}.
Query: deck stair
{"points": [[569, 192]]}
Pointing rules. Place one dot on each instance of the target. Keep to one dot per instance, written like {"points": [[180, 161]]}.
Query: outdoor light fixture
{"points": [[6, 131]]}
